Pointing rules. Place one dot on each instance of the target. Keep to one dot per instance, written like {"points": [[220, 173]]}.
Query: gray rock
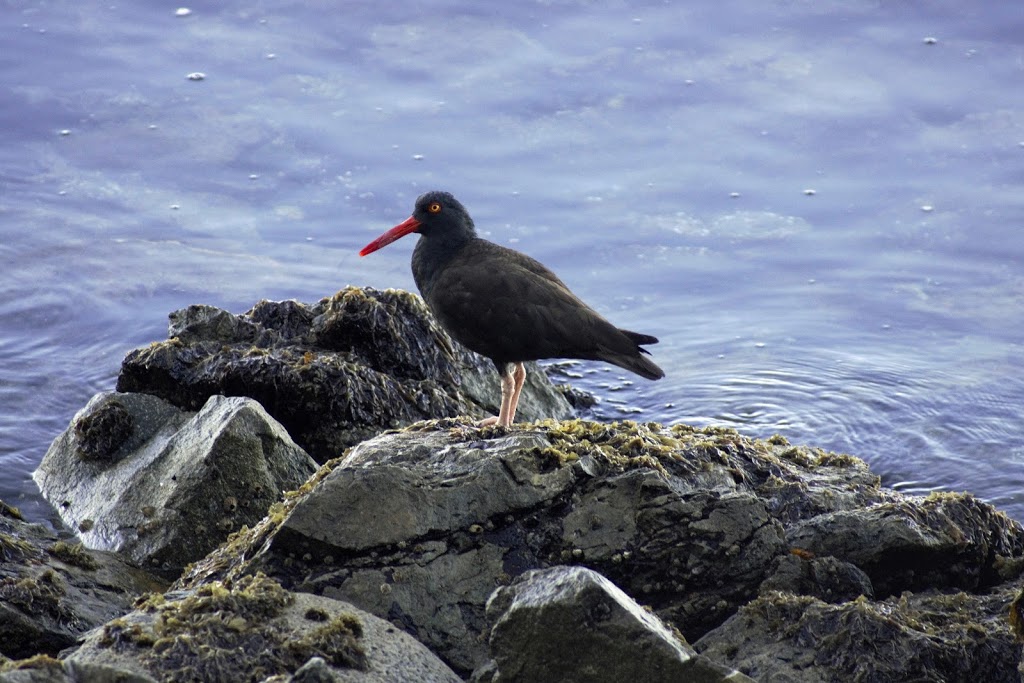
{"points": [[421, 559], [944, 540], [789, 562], [571, 625], [825, 578], [49, 670], [252, 629], [138, 476], [333, 373], [419, 526], [52, 591], [932, 636]]}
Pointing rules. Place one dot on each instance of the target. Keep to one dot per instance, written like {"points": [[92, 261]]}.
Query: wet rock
{"points": [[673, 516], [419, 526], [333, 373], [172, 485], [929, 636], [253, 629], [944, 540], [44, 669], [572, 624], [789, 563], [52, 591], [825, 578]]}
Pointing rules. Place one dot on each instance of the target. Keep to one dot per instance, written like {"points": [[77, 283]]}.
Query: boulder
{"points": [[787, 563], [570, 624], [722, 537], [930, 636], [163, 487], [333, 373], [45, 669], [680, 518], [252, 629], [826, 578], [943, 540], [52, 590], [418, 526]]}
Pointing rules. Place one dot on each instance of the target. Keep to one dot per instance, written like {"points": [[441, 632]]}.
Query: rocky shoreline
{"points": [[299, 493]]}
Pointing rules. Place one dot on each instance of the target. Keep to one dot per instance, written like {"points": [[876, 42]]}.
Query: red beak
{"points": [[410, 224]]}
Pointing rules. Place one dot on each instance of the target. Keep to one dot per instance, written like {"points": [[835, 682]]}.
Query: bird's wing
{"points": [[509, 307]]}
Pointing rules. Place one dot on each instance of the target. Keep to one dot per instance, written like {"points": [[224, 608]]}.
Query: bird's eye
{"points": [[435, 207]]}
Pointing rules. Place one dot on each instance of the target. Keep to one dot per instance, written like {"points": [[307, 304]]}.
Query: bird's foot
{"points": [[495, 422]]}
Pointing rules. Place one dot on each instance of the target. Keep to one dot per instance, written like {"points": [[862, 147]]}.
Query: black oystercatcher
{"points": [[504, 305]]}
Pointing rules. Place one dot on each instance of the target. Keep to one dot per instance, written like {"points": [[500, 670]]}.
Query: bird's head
{"points": [[437, 214]]}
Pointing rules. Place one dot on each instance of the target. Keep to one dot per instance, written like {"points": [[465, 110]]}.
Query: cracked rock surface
{"points": [[420, 526]]}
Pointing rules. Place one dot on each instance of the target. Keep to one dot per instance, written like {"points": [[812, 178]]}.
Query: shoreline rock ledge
{"points": [[560, 550], [723, 537], [333, 373]]}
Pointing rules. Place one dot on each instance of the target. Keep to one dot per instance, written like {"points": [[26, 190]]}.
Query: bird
{"points": [[503, 304]]}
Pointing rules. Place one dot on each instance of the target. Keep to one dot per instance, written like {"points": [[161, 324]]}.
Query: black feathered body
{"points": [[508, 307]]}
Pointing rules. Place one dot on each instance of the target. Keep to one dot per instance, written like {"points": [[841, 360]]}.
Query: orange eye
{"points": [[434, 207]]}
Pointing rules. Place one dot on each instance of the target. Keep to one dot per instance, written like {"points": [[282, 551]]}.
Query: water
{"points": [[815, 206]]}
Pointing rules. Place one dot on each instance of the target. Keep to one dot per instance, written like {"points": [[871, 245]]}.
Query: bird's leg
{"points": [[508, 393], [518, 375]]}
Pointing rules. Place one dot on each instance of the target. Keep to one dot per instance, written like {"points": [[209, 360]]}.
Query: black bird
{"points": [[503, 304]]}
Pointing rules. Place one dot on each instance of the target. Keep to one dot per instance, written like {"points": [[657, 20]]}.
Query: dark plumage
{"points": [[505, 305]]}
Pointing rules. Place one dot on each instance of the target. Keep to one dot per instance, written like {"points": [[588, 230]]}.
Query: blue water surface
{"points": [[816, 207]]}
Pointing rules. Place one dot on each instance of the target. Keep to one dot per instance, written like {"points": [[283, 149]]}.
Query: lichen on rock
{"points": [[234, 631], [252, 629]]}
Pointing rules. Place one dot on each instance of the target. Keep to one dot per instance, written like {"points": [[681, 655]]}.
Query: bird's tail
{"points": [[638, 362], [639, 339]]}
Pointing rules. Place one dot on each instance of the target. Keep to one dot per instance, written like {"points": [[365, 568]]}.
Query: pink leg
{"points": [[519, 378], [511, 386]]}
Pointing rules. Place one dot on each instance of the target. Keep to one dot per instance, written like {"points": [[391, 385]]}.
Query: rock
{"points": [[135, 475], [825, 578], [253, 629], [944, 540], [333, 373], [52, 591], [678, 518], [44, 669], [419, 526], [788, 563], [930, 636], [570, 624]]}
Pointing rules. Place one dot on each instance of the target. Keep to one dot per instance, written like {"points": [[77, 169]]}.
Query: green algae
{"points": [[74, 554], [680, 449], [42, 594], [37, 662], [10, 511], [905, 634], [336, 641], [13, 548], [231, 631]]}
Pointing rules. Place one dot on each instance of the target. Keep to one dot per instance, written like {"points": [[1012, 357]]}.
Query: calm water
{"points": [[816, 206]]}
